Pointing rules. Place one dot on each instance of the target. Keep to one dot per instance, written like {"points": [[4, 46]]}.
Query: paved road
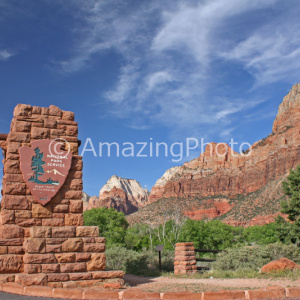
{"points": [[6, 296]]}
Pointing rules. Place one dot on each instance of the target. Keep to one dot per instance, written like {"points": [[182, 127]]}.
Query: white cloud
{"points": [[227, 133], [272, 52], [158, 78], [6, 54], [104, 25], [127, 77], [193, 28], [169, 72]]}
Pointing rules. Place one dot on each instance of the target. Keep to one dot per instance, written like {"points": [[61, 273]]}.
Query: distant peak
{"points": [[217, 149], [289, 110], [126, 195], [129, 186]]}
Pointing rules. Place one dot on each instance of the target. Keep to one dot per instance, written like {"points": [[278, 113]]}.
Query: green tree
{"points": [[291, 188], [193, 231], [291, 206], [261, 235], [137, 237], [112, 224], [211, 235], [287, 232]]}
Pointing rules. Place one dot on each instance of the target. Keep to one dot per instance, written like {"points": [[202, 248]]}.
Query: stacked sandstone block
{"points": [[18, 206], [185, 259], [63, 254], [49, 244]]}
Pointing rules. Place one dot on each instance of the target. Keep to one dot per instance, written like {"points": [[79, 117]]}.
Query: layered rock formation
{"points": [[125, 195], [217, 207], [92, 203], [250, 183]]}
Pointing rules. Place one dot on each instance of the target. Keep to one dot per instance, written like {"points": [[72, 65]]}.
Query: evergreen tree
{"points": [[36, 163], [291, 206], [292, 189]]}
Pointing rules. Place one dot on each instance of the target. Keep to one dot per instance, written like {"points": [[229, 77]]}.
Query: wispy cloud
{"points": [[158, 79], [172, 53], [107, 25], [193, 28], [227, 133], [6, 54], [272, 52], [128, 75]]}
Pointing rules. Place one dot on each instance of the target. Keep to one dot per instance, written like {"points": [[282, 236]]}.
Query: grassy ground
{"points": [[293, 275], [188, 287], [213, 281]]}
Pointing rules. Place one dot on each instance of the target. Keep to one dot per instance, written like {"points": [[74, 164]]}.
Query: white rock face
{"points": [[125, 195], [130, 186], [168, 175], [85, 198]]}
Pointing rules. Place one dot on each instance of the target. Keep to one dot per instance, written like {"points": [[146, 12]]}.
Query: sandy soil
{"points": [[168, 284]]}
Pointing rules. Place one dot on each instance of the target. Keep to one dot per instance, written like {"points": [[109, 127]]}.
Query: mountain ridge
{"points": [[233, 176]]}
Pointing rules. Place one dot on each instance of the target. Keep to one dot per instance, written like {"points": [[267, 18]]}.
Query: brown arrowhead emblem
{"points": [[45, 168]]}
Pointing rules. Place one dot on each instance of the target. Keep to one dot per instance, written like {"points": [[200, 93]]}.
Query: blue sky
{"points": [[139, 70]]}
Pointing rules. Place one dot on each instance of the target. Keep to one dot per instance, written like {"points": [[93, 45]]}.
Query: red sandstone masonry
{"points": [[185, 259], [274, 292], [47, 245], [182, 296], [268, 292], [104, 295], [38, 291], [224, 295], [292, 292]]}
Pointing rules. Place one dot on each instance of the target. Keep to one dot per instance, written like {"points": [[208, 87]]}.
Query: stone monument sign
{"points": [[42, 237]]}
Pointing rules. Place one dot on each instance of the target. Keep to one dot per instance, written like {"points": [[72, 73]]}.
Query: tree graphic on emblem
{"points": [[37, 168], [36, 164]]}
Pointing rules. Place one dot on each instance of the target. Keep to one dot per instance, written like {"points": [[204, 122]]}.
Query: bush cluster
{"points": [[206, 235], [143, 263], [254, 257]]}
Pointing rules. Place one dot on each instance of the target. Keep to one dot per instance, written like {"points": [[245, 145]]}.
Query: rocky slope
{"points": [[234, 187], [92, 203], [125, 195]]}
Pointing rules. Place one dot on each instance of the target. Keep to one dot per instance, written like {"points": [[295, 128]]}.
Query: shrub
{"points": [[117, 256], [143, 263], [279, 250], [253, 258], [112, 224]]}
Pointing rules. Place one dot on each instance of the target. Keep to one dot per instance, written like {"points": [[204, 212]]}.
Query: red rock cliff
{"points": [[232, 174]]}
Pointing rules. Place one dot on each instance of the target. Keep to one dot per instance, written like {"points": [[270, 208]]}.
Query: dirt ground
{"points": [[168, 284]]}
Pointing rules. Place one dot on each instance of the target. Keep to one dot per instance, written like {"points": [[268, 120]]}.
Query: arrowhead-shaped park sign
{"points": [[45, 168]]}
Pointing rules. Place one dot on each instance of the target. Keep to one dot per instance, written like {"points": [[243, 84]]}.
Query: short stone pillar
{"points": [[185, 259]]}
